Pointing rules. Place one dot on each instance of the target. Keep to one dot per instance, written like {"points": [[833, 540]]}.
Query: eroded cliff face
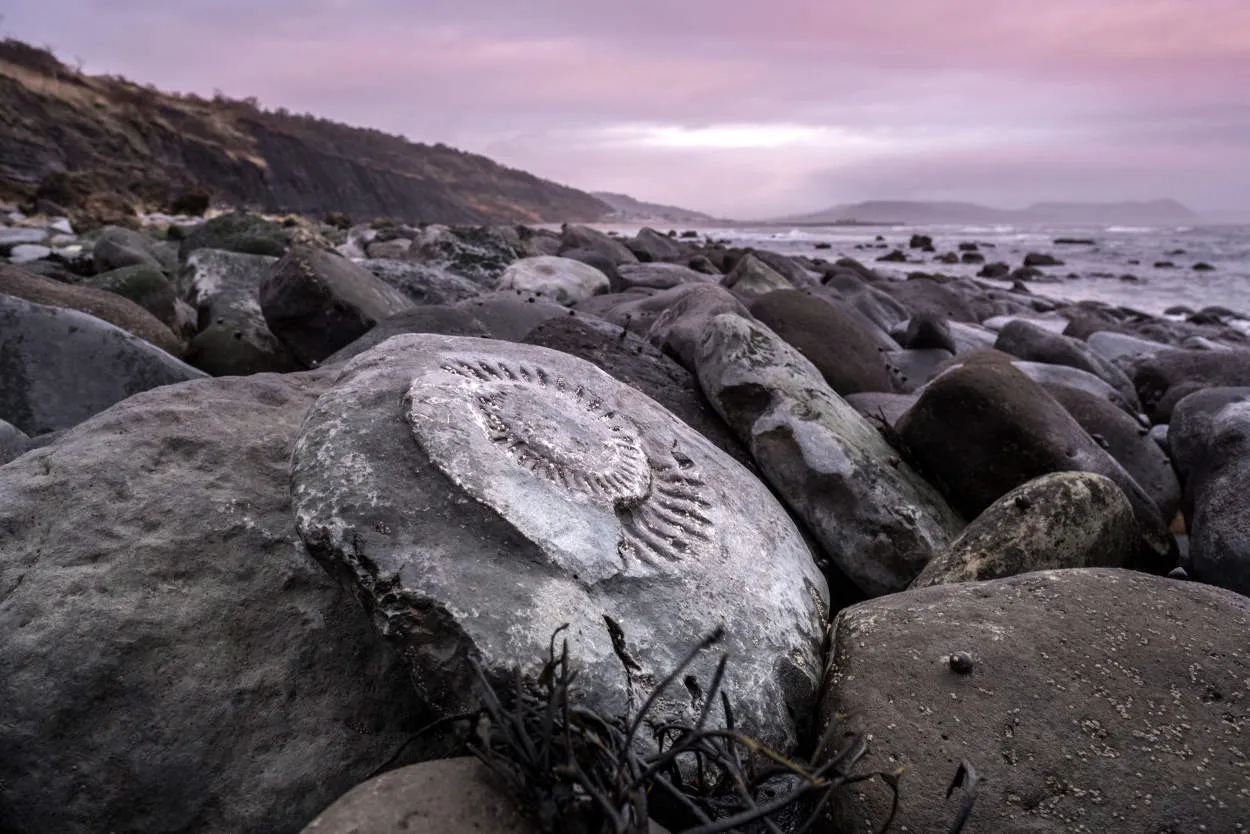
{"points": [[102, 145]]}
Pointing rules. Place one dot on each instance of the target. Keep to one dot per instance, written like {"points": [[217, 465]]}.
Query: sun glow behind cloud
{"points": [[739, 136]]}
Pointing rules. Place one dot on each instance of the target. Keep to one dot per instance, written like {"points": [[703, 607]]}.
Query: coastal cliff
{"points": [[102, 147]]}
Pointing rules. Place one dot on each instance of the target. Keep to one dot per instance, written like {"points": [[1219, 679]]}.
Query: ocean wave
{"points": [[1130, 230]]}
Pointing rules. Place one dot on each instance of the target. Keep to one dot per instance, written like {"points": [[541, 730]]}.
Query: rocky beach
{"points": [[278, 495]]}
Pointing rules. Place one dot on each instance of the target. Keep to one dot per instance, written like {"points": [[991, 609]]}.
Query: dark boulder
{"points": [[316, 302], [510, 316], [58, 367], [1128, 441], [584, 237], [925, 331], [1041, 259], [1164, 378], [982, 429], [1089, 700], [752, 278], [104, 305], [1210, 440], [920, 242], [649, 246], [1028, 341], [119, 247], [1060, 520], [429, 318], [685, 313], [997, 270], [833, 339], [237, 232], [422, 283], [198, 671], [145, 285]]}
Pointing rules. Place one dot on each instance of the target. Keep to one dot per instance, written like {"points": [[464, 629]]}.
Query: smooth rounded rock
{"points": [[584, 237], [1031, 341], [479, 494], [58, 367], [422, 283], [661, 276], [679, 328], [317, 302], [1210, 440], [752, 278], [1062, 520], [234, 339], [1098, 700], [1164, 378], [102, 304], [1128, 441], [982, 429], [878, 520], [561, 280], [832, 339], [198, 671], [448, 796]]}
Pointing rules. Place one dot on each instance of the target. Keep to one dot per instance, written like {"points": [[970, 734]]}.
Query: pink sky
{"points": [[742, 109]]}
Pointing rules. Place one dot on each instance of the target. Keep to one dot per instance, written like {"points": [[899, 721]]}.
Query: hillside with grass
{"points": [[102, 147]]}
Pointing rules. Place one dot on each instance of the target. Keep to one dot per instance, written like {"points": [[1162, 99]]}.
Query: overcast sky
{"points": [[741, 108]]}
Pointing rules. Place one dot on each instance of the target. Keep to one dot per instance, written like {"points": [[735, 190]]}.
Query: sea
{"points": [[1121, 265]]}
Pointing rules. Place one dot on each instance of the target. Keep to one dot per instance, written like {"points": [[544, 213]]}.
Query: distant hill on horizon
{"points": [[102, 147], [1151, 212], [626, 209]]}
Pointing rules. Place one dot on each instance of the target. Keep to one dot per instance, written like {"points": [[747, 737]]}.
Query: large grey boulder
{"points": [[1165, 378], [509, 316], [1098, 700], [479, 253], [1210, 440], [1120, 347], [879, 522], [686, 311], [430, 318], [104, 305], [586, 238], [650, 246], [660, 276], [449, 796], [1128, 441], [1033, 342], [1061, 520], [751, 278], [959, 429], [561, 280], [422, 283], [119, 247], [316, 302], [58, 367], [234, 339], [832, 337], [480, 494], [172, 659]]}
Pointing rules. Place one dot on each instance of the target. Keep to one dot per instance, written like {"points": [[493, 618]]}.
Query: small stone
{"points": [[1178, 573], [960, 662]]}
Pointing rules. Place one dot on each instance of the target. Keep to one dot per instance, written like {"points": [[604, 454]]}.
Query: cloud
{"points": [[735, 106]]}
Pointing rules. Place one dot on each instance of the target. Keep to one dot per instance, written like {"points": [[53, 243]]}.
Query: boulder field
{"points": [[287, 509]]}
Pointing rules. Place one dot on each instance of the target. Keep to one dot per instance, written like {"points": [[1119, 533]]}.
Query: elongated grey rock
{"points": [[878, 520], [480, 494]]}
